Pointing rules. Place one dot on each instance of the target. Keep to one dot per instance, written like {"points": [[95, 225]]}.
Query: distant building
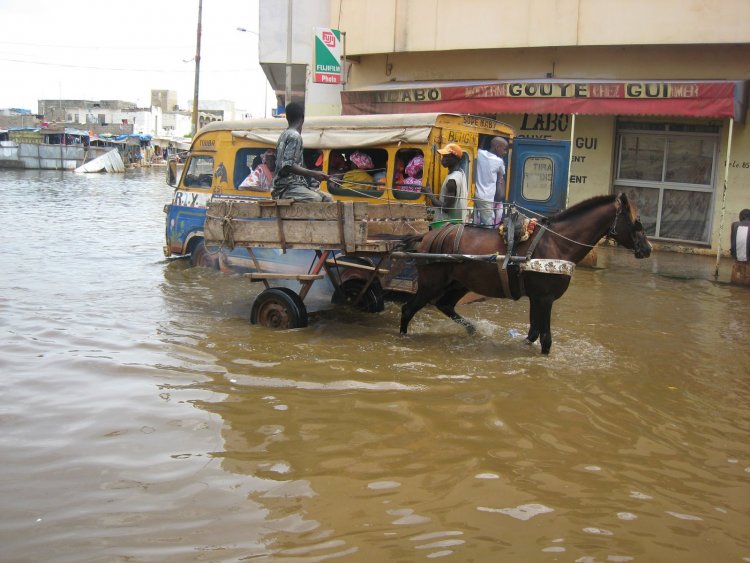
{"points": [[163, 118], [17, 117], [165, 99]]}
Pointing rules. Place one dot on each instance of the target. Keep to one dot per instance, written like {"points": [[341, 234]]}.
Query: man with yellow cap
{"points": [[453, 199]]}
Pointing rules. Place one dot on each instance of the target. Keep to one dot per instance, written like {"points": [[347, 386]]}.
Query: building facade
{"points": [[651, 95]]}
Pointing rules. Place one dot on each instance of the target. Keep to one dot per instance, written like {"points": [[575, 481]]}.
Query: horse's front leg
{"points": [[447, 305], [540, 314], [545, 332], [533, 322]]}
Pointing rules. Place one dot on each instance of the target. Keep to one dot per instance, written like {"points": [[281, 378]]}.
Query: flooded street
{"points": [[144, 419]]}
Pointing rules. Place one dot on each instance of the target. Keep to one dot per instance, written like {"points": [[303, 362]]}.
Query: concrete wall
{"points": [[384, 26], [738, 182]]}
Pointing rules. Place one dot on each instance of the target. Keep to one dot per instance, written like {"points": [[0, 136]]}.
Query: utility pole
{"points": [[197, 69]]}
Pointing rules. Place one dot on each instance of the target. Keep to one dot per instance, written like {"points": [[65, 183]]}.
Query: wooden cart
{"points": [[351, 243]]}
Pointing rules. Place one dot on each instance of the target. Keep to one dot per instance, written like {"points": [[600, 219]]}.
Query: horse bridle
{"points": [[637, 225]]}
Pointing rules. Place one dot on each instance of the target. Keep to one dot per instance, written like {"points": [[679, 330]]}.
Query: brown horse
{"points": [[567, 236]]}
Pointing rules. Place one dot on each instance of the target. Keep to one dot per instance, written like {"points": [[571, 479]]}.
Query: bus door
{"points": [[539, 175]]}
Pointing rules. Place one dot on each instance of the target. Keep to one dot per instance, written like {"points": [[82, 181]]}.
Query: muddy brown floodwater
{"points": [[144, 419]]}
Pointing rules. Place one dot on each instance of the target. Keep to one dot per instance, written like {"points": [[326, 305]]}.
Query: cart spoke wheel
{"points": [[279, 308], [371, 301]]}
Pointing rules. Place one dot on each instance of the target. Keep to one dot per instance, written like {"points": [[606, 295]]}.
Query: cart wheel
{"points": [[201, 257], [279, 308], [371, 302]]}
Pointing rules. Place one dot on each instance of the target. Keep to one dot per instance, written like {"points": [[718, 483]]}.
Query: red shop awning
{"points": [[696, 98]]}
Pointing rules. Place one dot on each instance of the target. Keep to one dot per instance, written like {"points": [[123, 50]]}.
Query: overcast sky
{"points": [[109, 50]]}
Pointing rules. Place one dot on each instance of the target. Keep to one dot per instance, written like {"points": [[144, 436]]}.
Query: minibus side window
{"points": [[245, 161], [407, 174], [357, 172], [200, 173]]}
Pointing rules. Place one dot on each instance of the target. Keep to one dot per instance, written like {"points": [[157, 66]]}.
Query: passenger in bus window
{"points": [[490, 182], [289, 179], [379, 178], [261, 178], [398, 174], [414, 171], [358, 176], [336, 165]]}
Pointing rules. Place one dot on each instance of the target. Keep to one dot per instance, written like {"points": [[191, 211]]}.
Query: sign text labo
{"points": [[327, 61]]}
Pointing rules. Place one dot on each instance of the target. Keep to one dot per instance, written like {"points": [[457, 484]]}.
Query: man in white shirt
{"points": [[490, 182], [740, 248]]}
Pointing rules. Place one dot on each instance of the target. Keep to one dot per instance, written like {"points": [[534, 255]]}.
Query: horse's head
{"points": [[627, 229]]}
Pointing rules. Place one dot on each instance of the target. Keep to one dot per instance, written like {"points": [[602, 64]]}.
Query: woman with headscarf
{"points": [[414, 170], [358, 177], [261, 179]]}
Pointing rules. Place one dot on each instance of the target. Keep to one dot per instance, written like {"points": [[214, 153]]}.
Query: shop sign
{"points": [[327, 62]]}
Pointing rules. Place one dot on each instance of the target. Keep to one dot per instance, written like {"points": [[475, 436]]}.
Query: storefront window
{"points": [[690, 161], [669, 172], [684, 215], [642, 157]]}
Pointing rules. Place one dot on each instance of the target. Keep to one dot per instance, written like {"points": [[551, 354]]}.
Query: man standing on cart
{"points": [[288, 180], [452, 203]]}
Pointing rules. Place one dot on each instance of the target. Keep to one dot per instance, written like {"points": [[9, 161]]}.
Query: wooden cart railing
{"points": [[335, 231]]}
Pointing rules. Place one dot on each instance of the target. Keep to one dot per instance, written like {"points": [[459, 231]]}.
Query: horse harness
{"points": [[437, 242], [511, 267]]}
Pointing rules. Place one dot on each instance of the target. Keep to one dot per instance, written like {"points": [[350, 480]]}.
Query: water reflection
{"points": [[144, 417], [378, 440]]}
